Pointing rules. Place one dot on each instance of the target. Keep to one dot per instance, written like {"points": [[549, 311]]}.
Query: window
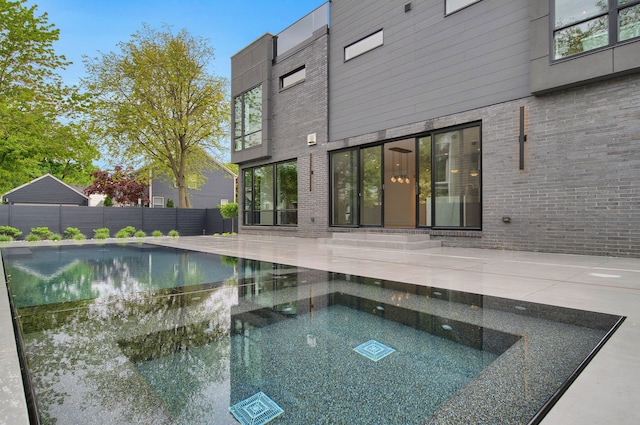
{"points": [[433, 180], [292, 78], [248, 119], [359, 47], [271, 194], [581, 26], [451, 6], [157, 202]]}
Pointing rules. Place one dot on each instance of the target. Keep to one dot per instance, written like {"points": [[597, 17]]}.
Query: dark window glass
{"points": [[247, 121], [287, 193], [344, 187], [582, 26], [371, 186], [271, 194]]}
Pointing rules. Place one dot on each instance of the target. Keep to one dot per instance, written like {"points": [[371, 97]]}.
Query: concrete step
{"points": [[401, 241]]}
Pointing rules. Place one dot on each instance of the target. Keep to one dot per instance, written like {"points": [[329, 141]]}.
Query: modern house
{"points": [[45, 190], [478, 123], [218, 188]]}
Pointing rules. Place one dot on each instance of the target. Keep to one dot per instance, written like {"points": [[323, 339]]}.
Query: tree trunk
{"points": [[183, 197]]}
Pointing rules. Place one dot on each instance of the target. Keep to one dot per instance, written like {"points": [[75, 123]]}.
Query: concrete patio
{"points": [[605, 392]]}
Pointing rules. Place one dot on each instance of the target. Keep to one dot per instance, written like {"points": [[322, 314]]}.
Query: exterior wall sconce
{"points": [[522, 138]]}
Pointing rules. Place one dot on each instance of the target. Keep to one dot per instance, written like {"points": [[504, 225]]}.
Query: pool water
{"points": [[129, 334]]}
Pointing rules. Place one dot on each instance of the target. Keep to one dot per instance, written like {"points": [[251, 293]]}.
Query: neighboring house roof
{"points": [[46, 189]]}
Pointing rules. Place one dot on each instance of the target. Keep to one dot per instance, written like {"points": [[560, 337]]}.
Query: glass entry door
{"points": [[400, 184]]}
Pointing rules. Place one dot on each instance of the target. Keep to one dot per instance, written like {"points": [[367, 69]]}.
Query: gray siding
{"points": [[220, 184], [46, 190], [429, 66]]}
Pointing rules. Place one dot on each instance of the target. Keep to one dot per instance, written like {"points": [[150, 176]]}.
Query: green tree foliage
{"points": [[37, 133], [229, 210], [158, 105]]}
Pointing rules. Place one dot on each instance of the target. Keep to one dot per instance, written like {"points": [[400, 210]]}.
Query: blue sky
{"points": [[88, 27]]}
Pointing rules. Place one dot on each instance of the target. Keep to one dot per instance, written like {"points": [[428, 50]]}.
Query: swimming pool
{"points": [[143, 334]]}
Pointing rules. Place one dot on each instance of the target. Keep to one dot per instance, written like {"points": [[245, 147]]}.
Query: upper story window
{"points": [[370, 42], [584, 25], [248, 119], [451, 6], [292, 78]]}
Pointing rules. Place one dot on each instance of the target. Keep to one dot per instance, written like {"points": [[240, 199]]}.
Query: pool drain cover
{"points": [[256, 410], [374, 350]]}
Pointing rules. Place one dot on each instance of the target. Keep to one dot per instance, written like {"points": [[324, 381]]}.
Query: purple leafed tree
{"points": [[122, 186]]}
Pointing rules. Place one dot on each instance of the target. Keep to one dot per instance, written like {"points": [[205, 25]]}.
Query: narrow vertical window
{"points": [[344, 188], [287, 193], [248, 119]]}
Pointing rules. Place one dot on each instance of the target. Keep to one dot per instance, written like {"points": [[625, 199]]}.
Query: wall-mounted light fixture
{"points": [[522, 138]]}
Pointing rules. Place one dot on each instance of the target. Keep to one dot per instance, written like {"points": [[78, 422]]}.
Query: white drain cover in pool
{"points": [[256, 410], [374, 350]]}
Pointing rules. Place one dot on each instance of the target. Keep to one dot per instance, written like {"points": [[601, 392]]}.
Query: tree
{"points": [[229, 210], [157, 105], [121, 186], [37, 133]]}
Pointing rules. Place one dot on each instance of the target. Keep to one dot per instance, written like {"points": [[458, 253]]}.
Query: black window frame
{"points": [[611, 15], [284, 77], [249, 214], [433, 133], [380, 31], [242, 119]]}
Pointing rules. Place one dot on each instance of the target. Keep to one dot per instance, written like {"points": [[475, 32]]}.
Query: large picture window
{"points": [[582, 26], [428, 181], [271, 195], [248, 119]]}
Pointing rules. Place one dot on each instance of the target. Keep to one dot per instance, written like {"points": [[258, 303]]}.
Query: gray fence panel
{"points": [[85, 219], [188, 222], [25, 217], [162, 219], [192, 222], [119, 218]]}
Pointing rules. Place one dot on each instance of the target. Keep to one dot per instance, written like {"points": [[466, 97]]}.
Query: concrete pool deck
{"points": [[605, 392]]}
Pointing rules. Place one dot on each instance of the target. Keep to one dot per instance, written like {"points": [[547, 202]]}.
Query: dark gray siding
{"points": [[429, 66], [220, 185], [46, 190]]}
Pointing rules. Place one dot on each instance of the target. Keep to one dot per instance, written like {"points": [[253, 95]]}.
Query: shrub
{"points": [[140, 234], [79, 237], [12, 232], [32, 238], [101, 233], [126, 232], [42, 233], [55, 237], [107, 201], [173, 233], [71, 232], [157, 234], [170, 203], [5, 238]]}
